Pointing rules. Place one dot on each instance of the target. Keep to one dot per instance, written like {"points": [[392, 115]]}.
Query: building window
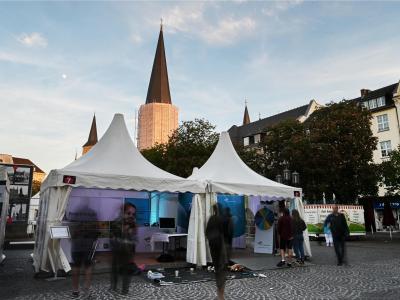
{"points": [[365, 104], [381, 101], [386, 148], [246, 141], [372, 104], [251, 139], [257, 138], [383, 123]]}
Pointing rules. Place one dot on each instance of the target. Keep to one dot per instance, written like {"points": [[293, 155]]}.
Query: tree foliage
{"points": [[35, 187], [190, 146], [332, 151], [390, 173]]}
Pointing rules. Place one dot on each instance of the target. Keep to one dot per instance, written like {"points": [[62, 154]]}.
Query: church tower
{"points": [[158, 118], [92, 139], [246, 117]]}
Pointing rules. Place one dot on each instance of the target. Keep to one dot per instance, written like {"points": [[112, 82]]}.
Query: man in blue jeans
{"points": [[340, 230]]}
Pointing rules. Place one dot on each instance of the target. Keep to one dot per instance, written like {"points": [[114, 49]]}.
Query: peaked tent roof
{"points": [[92, 139], [158, 91], [227, 173], [115, 163]]}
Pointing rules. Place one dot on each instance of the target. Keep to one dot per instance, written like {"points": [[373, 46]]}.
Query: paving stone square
{"points": [[373, 272]]}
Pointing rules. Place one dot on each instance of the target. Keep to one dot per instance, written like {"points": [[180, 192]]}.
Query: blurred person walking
{"points": [[340, 231], [84, 234], [123, 243], [298, 227], [228, 231], [216, 241]]}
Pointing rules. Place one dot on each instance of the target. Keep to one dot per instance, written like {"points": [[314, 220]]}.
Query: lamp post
{"points": [[288, 177]]}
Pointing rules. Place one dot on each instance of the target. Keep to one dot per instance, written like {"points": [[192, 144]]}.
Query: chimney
{"points": [[364, 92]]}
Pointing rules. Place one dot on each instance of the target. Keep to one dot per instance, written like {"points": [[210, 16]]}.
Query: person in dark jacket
{"points": [[216, 241], [285, 231], [298, 226], [123, 241], [338, 226], [84, 234]]}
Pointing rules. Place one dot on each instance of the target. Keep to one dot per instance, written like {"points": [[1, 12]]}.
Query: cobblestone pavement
{"points": [[373, 273]]}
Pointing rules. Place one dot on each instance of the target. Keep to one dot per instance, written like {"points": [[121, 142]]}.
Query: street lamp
{"points": [[279, 178], [295, 178], [287, 175]]}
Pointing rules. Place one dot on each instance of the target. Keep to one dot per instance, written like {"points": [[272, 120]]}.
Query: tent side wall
{"points": [[4, 195], [47, 252]]}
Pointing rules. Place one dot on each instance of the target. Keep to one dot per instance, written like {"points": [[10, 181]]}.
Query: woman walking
{"points": [[298, 239], [216, 241]]}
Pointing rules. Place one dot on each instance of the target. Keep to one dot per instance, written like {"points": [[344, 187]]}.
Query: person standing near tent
{"points": [[84, 234], [298, 226], [228, 231], [340, 231], [328, 232], [216, 241], [123, 243], [285, 231]]}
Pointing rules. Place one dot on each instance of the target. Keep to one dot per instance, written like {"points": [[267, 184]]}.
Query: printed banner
{"points": [[235, 204], [184, 208], [315, 215], [264, 223]]}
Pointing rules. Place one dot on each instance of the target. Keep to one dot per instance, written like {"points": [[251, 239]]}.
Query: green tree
{"points": [[390, 173], [190, 146], [341, 136], [35, 187], [332, 151]]}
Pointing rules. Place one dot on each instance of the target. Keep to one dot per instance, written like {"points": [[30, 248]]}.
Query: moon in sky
{"points": [[64, 76]]}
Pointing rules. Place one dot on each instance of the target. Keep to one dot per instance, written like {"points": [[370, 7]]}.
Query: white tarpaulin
{"points": [[226, 173], [113, 163], [4, 199], [198, 252], [298, 204]]}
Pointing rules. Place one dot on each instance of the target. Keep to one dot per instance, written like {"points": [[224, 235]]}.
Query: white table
{"points": [[164, 237]]}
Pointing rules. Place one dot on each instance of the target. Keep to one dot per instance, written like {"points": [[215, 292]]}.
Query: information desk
{"points": [[165, 238]]}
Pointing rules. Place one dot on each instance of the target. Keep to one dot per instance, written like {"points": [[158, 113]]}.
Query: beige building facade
{"points": [[384, 105], [157, 121]]}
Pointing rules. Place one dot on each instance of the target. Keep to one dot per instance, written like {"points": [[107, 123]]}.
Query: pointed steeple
{"points": [[158, 91], [92, 139], [246, 118]]}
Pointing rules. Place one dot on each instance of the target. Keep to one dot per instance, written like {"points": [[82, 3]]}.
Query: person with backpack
{"points": [[298, 226]]}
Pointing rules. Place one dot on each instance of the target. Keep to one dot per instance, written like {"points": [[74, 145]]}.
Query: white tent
{"points": [[33, 207], [225, 172], [4, 199], [113, 163]]}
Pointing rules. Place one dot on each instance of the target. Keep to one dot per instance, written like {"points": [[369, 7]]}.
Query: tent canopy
{"points": [[227, 173], [115, 163]]}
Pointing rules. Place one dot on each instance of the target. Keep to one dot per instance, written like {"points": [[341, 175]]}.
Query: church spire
{"points": [[92, 139], [246, 118], [158, 91]]}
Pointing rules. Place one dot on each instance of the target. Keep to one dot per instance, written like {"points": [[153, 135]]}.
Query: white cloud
{"points": [[215, 29], [275, 8], [332, 77], [183, 18], [34, 39], [228, 30], [136, 39]]}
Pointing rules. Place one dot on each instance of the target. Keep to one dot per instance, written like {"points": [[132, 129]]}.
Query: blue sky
{"points": [[62, 61]]}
